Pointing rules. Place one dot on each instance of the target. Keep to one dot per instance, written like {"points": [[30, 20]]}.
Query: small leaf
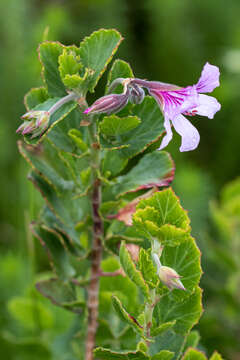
{"points": [[216, 356], [35, 97], [96, 51], [192, 354], [125, 316], [76, 136], [114, 125], [155, 331], [163, 355], [69, 63], [130, 269], [49, 53], [192, 340], [119, 69], [147, 268], [107, 354]]}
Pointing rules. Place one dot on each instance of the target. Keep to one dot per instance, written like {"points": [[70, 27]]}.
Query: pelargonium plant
{"points": [[118, 240]]}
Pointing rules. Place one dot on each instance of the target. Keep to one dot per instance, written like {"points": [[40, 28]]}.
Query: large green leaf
{"points": [[31, 313], [138, 139], [167, 204], [57, 250], [96, 51], [185, 260], [154, 169], [49, 53], [186, 312], [67, 210], [107, 354], [61, 293]]}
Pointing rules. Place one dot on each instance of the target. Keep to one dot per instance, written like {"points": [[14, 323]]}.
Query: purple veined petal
{"points": [[209, 79], [168, 137], [190, 135], [207, 106]]}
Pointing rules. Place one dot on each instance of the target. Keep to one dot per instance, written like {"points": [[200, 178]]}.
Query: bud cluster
{"points": [[35, 123]]}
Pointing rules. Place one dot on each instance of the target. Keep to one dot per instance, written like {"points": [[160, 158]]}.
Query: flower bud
{"points": [[137, 94], [109, 104], [170, 278]]}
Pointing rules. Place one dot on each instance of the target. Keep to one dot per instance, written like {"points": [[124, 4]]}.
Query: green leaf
{"points": [[216, 356], [49, 53], [154, 169], [186, 313], [107, 354], [112, 163], [185, 260], [62, 294], [125, 316], [69, 63], [76, 136], [96, 51], [170, 340], [137, 140], [168, 206], [193, 354], [148, 270], [68, 211], [119, 69], [31, 313], [114, 125], [57, 251], [155, 331], [35, 97], [46, 161], [163, 355], [192, 340], [130, 269]]}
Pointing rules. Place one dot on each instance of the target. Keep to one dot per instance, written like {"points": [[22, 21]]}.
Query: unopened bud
{"points": [[137, 94], [109, 104], [170, 278]]}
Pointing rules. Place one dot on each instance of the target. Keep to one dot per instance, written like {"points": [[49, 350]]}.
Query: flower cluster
{"points": [[174, 102]]}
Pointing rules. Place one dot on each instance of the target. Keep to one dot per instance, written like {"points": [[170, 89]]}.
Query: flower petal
{"points": [[168, 137], [209, 78], [190, 135], [208, 106]]}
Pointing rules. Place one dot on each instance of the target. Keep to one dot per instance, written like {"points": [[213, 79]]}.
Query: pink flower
{"points": [[175, 101]]}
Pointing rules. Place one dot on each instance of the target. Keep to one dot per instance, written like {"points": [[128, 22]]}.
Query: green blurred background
{"points": [[166, 40]]}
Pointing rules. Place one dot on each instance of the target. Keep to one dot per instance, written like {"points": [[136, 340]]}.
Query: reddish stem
{"points": [[96, 256]]}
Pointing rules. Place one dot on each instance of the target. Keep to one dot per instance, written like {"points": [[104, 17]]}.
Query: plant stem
{"points": [[96, 254], [62, 101]]}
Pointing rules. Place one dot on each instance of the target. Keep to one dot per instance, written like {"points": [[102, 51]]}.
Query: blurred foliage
{"points": [[166, 40]]}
